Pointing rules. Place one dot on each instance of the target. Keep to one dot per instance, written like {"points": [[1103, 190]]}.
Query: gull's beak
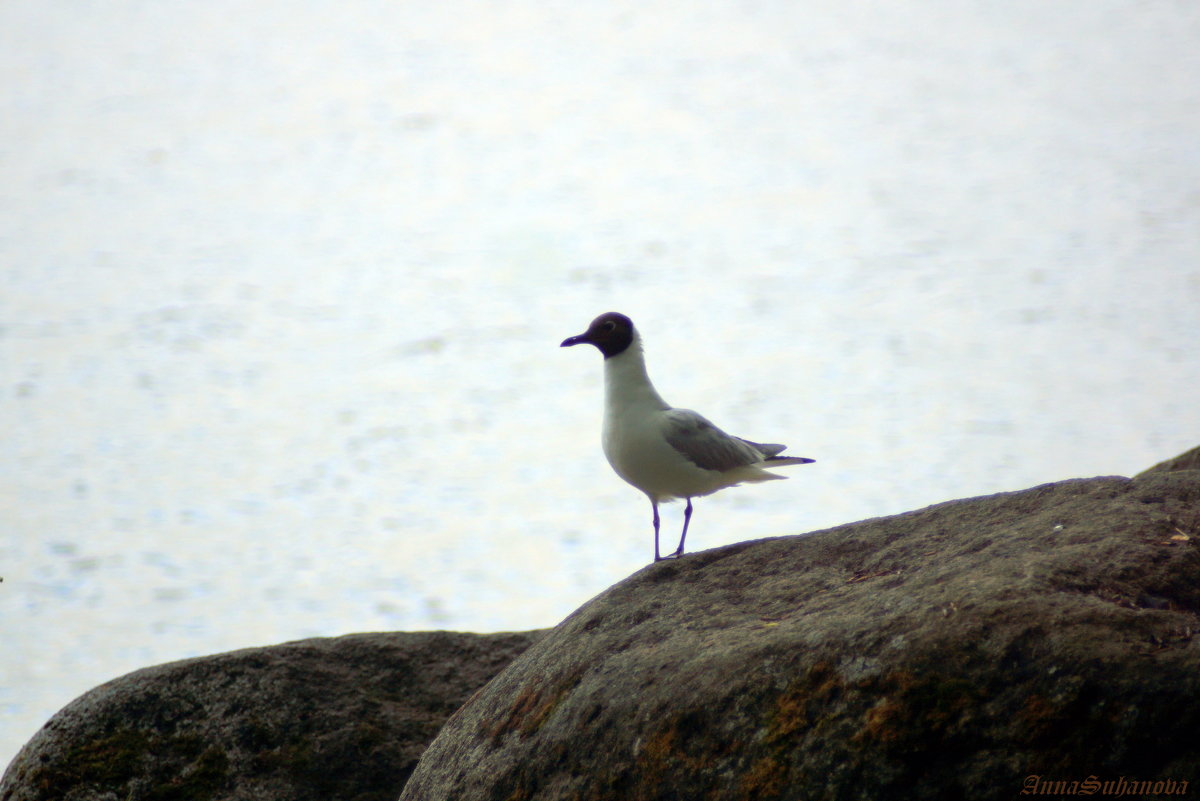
{"points": [[581, 339]]}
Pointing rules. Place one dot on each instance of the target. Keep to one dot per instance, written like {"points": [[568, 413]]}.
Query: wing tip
{"points": [[780, 461]]}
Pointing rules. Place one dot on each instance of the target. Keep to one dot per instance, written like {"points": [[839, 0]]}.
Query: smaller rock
{"points": [[333, 718]]}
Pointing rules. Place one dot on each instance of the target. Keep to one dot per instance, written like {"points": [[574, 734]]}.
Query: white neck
{"points": [[626, 382]]}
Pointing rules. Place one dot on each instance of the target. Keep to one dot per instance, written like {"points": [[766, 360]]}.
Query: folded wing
{"points": [[708, 447]]}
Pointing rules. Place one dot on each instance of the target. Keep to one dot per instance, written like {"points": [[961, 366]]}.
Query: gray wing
{"points": [[706, 446]]}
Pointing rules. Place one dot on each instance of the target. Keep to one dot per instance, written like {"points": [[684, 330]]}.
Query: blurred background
{"points": [[282, 287]]}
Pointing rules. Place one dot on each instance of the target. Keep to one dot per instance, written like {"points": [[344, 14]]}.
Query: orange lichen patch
{"points": [[518, 713], [916, 707], [663, 757], [882, 722], [661, 748], [800, 708], [796, 708], [531, 708], [791, 715], [766, 778]]}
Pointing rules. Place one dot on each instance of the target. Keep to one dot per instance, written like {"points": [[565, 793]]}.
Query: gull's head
{"points": [[611, 332]]}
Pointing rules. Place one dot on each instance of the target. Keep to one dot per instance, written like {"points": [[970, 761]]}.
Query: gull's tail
{"points": [[783, 461], [771, 453]]}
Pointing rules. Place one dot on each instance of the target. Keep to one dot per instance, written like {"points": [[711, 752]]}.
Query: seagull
{"points": [[665, 452]]}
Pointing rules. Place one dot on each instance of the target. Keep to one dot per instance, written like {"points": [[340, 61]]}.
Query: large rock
{"points": [[974, 649], [343, 718], [1188, 460]]}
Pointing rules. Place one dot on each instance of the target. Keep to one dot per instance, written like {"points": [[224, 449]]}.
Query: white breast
{"points": [[633, 434], [641, 455]]}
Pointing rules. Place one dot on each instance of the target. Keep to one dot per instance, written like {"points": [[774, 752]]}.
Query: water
{"points": [[283, 284]]}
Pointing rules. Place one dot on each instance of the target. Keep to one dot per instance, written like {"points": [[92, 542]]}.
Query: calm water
{"points": [[282, 290]]}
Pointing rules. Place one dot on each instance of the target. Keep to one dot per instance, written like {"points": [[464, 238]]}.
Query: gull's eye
{"points": [[609, 326]]}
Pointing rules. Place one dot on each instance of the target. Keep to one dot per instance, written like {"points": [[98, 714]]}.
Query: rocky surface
{"points": [[342, 718], [1188, 460], [960, 651], [973, 649]]}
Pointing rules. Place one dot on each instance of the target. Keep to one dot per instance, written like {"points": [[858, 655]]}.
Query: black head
{"points": [[611, 332]]}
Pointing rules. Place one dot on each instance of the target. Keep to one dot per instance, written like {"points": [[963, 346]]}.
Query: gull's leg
{"points": [[654, 504], [687, 518]]}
